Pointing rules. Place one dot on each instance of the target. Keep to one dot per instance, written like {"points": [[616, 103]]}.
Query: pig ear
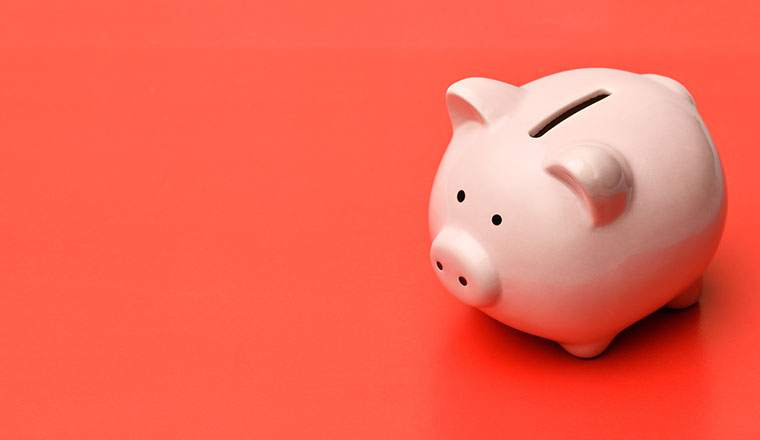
{"points": [[481, 100], [598, 176], [672, 85]]}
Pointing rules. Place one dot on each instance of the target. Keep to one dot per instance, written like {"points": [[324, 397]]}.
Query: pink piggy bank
{"points": [[577, 204]]}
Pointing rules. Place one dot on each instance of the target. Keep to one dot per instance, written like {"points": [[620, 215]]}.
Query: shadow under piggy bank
{"points": [[659, 332], [487, 376]]}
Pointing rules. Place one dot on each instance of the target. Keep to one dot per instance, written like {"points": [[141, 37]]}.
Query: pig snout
{"points": [[464, 267]]}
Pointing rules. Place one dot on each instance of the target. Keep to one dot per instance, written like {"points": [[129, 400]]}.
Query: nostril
{"points": [[439, 265], [463, 281]]}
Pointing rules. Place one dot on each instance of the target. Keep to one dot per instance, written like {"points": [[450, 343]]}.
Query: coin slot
{"points": [[567, 111]]}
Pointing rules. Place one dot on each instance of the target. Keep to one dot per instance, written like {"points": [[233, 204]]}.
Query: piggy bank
{"points": [[577, 204]]}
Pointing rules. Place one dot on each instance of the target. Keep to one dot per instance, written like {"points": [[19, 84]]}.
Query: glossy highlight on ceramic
{"points": [[577, 204]]}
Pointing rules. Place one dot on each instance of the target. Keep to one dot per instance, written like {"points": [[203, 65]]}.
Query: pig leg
{"points": [[590, 350], [687, 297]]}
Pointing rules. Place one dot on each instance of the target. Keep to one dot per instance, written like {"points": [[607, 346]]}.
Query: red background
{"points": [[213, 224]]}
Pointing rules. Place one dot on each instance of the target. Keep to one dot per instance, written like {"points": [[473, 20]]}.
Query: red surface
{"points": [[214, 224]]}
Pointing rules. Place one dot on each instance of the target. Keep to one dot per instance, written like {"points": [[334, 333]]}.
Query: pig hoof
{"points": [[688, 297], [588, 351]]}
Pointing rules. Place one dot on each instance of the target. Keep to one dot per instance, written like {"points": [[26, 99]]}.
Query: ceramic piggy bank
{"points": [[577, 204]]}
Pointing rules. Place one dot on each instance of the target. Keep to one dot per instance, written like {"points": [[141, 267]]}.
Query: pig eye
{"points": [[496, 219], [460, 196]]}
